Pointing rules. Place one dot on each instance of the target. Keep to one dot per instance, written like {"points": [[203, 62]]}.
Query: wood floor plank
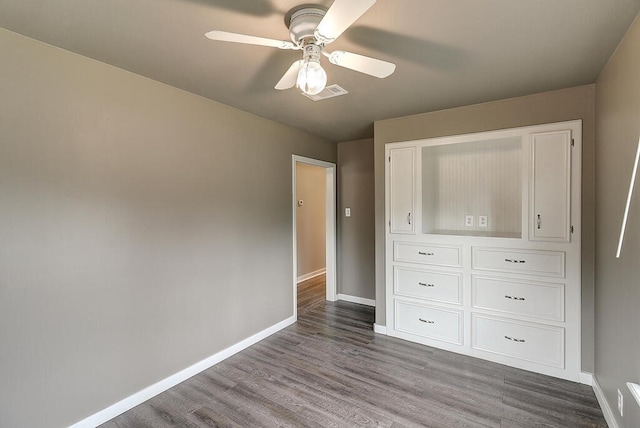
{"points": [[331, 370], [213, 415]]}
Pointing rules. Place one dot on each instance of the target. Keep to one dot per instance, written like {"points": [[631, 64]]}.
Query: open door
{"points": [[330, 226]]}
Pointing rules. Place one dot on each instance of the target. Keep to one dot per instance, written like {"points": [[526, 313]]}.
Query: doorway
{"points": [[329, 170]]}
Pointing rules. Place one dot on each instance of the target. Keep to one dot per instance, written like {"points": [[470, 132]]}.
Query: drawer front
{"points": [[427, 254], [535, 299], [430, 322], [544, 263], [443, 287], [526, 341]]}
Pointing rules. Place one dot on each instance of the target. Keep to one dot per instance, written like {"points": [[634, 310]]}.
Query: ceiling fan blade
{"points": [[363, 64], [289, 78], [251, 40], [339, 17]]}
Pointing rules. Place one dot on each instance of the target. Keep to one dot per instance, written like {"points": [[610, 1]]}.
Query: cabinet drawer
{"points": [[531, 262], [526, 341], [444, 287], [427, 254], [430, 322], [536, 299]]}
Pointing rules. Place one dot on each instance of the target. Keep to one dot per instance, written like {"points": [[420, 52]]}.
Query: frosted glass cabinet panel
{"points": [[475, 178], [550, 186], [402, 190]]}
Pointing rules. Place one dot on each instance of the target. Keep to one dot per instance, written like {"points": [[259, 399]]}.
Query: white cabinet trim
{"points": [[552, 265]]}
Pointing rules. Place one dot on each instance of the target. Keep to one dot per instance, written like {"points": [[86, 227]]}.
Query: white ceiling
{"points": [[448, 52]]}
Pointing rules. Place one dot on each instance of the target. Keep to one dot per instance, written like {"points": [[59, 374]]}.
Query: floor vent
{"points": [[328, 92]]}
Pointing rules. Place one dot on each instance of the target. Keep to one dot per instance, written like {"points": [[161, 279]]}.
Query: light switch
{"points": [[347, 212], [483, 220]]}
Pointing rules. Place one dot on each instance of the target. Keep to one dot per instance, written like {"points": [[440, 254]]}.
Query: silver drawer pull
{"points": [[427, 321], [422, 253], [426, 285], [514, 339], [514, 298], [514, 261]]}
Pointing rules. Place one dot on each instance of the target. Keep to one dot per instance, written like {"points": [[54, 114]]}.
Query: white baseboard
{"points": [[310, 275], [381, 329], [356, 299], [604, 405], [140, 397], [586, 378]]}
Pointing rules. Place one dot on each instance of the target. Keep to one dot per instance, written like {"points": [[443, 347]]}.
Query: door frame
{"points": [[330, 227]]}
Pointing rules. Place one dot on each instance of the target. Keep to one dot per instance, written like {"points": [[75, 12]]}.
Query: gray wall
{"points": [[617, 328], [139, 225], [311, 188], [356, 234], [567, 104]]}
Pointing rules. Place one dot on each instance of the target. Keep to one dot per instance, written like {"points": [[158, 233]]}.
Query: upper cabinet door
{"points": [[550, 209], [402, 168]]}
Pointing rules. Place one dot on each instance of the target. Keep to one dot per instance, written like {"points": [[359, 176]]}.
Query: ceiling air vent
{"points": [[328, 92]]}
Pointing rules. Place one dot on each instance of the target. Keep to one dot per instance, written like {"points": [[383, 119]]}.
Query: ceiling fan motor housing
{"points": [[303, 24], [311, 27], [311, 52]]}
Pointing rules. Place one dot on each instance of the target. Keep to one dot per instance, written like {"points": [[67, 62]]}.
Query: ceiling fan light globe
{"points": [[312, 78]]}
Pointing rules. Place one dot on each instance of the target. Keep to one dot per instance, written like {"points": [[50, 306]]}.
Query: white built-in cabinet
{"points": [[402, 179], [483, 245], [551, 186]]}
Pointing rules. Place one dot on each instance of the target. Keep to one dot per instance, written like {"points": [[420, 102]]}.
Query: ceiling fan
{"points": [[311, 28]]}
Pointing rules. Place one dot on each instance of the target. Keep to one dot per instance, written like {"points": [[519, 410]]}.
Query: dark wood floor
{"points": [[330, 370]]}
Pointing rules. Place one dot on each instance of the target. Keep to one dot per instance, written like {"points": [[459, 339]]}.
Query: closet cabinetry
{"points": [[483, 245], [402, 189], [551, 186]]}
